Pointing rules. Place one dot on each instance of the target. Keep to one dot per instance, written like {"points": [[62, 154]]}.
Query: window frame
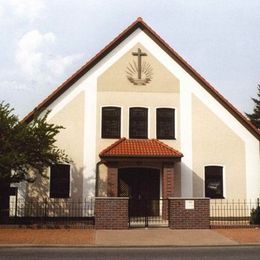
{"points": [[223, 181], [69, 183], [174, 123], [120, 122], [147, 122]]}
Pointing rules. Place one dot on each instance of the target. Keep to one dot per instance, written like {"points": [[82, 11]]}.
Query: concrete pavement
{"points": [[161, 237], [132, 237]]}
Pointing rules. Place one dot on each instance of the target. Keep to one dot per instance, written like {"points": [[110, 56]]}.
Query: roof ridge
{"points": [[112, 145], [45, 102], [166, 145], [139, 23]]}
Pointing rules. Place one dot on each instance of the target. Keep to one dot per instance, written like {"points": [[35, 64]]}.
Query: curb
{"points": [[121, 246]]}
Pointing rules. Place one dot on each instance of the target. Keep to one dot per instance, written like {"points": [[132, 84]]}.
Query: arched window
{"points": [[138, 122], [165, 125], [111, 122], [214, 182]]}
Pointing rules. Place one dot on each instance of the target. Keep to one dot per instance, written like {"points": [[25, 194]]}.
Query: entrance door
{"points": [[142, 186]]}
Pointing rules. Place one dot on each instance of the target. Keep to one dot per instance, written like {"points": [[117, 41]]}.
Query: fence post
{"points": [[45, 210]]}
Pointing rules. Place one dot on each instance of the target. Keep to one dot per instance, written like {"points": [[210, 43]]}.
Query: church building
{"points": [[140, 122]]}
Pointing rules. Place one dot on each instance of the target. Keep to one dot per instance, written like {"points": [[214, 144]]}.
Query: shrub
{"points": [[255, 216]]}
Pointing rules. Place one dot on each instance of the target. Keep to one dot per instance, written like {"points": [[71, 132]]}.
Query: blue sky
{"points": [[43, 42]]}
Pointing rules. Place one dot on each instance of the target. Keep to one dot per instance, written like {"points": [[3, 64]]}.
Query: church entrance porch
{"points": [[141, 170], [142, 186]]}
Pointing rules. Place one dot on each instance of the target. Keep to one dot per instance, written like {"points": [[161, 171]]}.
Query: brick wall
{"points": [[183, 218], [167, 187], [168, 181], [112, 182], [111, 213]]}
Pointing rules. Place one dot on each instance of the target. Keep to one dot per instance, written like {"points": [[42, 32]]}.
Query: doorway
{"points": [[142, 186]]}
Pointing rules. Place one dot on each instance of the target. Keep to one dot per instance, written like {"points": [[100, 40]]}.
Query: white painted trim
{"points": [[90, 132], [223, 178], [186, 140], [121, 120]]}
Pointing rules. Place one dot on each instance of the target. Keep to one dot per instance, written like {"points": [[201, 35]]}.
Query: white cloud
{"points": [[13, 84], [1, 11], [32, 48], [30, 9], [36, 58]]}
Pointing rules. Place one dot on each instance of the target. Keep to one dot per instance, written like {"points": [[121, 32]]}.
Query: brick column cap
{"points": [[188, 198], [112, 198]]}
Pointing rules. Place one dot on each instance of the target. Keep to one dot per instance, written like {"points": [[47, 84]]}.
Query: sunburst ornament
{"points": [[140, 73]]}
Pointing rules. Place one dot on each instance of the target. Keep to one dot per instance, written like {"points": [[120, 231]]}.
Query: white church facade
{"points": [[140, 122]]}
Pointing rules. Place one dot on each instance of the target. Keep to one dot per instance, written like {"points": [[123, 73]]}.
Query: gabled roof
{"points": [[139, 23], [151, 148]]}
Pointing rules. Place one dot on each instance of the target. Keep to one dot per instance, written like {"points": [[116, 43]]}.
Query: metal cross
{"points": [[139, 54]]}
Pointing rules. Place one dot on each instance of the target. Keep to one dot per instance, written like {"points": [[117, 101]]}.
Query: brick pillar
{"points": [[189, 213], [111, 213], [167, 187], [112, 182]]}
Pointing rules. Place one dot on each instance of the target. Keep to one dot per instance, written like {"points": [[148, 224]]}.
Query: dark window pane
{"points": [[111, 122], [138, 125], [214, 182], [165, 123], [60, 181]]}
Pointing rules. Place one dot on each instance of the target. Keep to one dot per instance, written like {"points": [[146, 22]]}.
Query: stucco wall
{"points": [[214, 143], [114, 89], [71, 140]]}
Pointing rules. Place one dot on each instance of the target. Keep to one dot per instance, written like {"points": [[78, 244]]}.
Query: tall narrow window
{"points": [[214, 182], [111, 122], [165, 128], [138, 122], [60, 181]]}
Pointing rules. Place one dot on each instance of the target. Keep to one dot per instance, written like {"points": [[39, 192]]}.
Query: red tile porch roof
{"points": [[140, 148]]}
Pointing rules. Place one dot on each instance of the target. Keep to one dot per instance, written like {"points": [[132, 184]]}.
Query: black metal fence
{"points": [[47, 211], [148, 213], [232, 213], [142, 213]]}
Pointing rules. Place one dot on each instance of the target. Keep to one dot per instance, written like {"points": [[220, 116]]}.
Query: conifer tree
{"points": [[255, 116]]}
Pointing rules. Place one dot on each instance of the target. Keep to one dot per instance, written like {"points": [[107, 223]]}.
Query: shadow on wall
{"points": [[36, 201], [101, 188], [197, 182], [41, 187]]}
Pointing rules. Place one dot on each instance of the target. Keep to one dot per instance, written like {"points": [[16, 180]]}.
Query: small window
{"points": [[111, 122], [138, 123], [165, 128], [214, 182], [60, 181]]}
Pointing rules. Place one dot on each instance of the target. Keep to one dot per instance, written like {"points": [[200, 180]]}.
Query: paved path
{"points": [[132, 237], [161, 237]]}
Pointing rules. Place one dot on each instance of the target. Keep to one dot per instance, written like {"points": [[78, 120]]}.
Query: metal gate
{"points": [[148, 213]]}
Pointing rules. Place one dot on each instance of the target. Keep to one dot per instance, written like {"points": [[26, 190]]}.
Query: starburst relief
{"points": [[139, 73], [140, 76]]}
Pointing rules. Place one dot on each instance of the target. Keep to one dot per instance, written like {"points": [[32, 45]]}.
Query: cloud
{"points": [[1, 11], [36, 58], [29, 9], [32, 49]]}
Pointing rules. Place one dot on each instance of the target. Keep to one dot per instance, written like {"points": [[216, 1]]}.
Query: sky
{"points": [[43, 42]]}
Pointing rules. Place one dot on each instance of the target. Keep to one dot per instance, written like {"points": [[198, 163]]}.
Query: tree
{"points": [[26, 150], [255, 116]]}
